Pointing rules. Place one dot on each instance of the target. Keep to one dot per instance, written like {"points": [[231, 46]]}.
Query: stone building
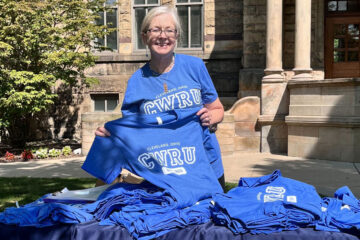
{"points": [[286, 71]]}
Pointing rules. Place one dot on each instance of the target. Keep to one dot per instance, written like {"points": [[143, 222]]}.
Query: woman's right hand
{"points": [[102, 132]]}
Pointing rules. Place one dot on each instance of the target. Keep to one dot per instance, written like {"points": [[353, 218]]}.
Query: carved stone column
{"points": [[274, 69], [302, 40], [274, 96]]}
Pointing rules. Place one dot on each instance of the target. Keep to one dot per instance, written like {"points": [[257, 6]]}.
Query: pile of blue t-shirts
{"points": [[341, 212], [40, 214], [267, 204], [143, 197], [143, 225], [145, 210]]}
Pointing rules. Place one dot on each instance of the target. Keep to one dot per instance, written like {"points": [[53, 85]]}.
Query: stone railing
{"points": [[238, 131]]}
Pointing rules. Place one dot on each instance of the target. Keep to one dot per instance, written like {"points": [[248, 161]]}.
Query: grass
{"points": [[26, 190], [229, 186]]}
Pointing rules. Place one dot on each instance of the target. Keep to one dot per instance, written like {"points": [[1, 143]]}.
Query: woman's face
{"points": [[161, 41]]}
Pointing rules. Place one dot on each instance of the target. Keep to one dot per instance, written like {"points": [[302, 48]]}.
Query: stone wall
{"points": [[324, 119], [254, 48]]}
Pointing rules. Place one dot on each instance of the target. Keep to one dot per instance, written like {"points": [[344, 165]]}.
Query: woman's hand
{"points": [[205, 116], [102, 132], [211, 113]]}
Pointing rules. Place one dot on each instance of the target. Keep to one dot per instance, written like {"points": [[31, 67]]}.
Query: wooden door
{"points": [[342, 45]]}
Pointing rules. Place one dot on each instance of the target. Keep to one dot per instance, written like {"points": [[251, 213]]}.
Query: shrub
{"points": [[9, 156], [41, 153], [66, 151], [27, 155], [54, 152]]}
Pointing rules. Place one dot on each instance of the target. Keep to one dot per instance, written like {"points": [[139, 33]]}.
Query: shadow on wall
{"points": [[223, 36], [64, 116]]}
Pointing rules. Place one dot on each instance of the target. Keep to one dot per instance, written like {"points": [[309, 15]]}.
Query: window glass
{"points": [[340, 29], [332, 6], [342, 5], [99, 105], [191, 17], [111, 104], [184, 16], [139, 17], [111, 21], [353, 29], [100, 21], [196, 24], [339, 43], [353, 56], [111, 2], [353, 42], [339, 56]]}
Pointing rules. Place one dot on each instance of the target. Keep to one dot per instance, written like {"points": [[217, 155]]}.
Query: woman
{"points": [[169, 81]]}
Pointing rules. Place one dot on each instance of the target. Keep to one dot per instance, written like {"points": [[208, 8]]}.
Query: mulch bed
{"points": [[18, 158]]}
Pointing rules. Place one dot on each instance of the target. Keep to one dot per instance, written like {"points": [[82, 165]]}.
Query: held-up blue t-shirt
{"points": [[188, 85], [165, 148]]}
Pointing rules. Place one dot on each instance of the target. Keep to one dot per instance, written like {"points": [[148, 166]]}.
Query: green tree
{"points": [[42, 42]]}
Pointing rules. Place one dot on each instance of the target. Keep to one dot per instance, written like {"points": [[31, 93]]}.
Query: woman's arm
{"points": [[211, 113]]}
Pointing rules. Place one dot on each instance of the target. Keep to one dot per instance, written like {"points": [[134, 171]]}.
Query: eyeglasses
{"points": [[157, 32]]}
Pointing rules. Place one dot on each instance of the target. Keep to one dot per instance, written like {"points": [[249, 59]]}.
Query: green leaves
{"points": [[41, 42]]}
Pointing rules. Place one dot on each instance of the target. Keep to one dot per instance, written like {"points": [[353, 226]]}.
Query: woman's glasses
{"points": [[157, 32]]}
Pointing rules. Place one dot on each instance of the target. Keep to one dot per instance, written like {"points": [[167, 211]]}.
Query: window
{"points": [[109, 19], [191, 16], [343, 6], [104, 102], [141, 8]]}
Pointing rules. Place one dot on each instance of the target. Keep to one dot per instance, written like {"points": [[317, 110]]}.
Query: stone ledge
{"points": [[279, 118], [141, 57], [325, 82], [323, 121], [99, 116]]}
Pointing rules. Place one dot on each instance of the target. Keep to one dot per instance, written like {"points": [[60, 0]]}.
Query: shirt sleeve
{"points": [[208, 91], [105, 159]]}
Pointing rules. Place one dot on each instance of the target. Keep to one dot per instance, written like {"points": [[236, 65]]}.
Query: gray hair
{"points": [[156, 11]]}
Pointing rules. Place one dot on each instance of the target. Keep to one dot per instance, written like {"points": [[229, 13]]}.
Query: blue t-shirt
{"points": [[188, 85], [267, 204], [166, 149]]}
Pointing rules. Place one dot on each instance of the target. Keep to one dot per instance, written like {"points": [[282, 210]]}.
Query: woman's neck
{"points": [[162, 64]]}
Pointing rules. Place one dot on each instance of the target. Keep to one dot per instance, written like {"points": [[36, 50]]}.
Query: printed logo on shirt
{"points": [[274, 194], [170, 159], [177, 171], [181, 99]]}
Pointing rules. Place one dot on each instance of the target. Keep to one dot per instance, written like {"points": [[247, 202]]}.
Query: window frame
{"points": [[189, 4], [133, 24], [105, 97], [116, 7]]}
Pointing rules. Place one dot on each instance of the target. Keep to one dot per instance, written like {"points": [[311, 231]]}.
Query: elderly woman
{"points": [[172, 81]]}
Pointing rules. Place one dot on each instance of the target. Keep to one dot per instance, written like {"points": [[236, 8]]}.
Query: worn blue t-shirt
{"points": [[165, 148], [187, 85]]}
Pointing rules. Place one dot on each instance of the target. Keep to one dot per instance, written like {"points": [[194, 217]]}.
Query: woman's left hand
{"points": [[205, 116]]}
